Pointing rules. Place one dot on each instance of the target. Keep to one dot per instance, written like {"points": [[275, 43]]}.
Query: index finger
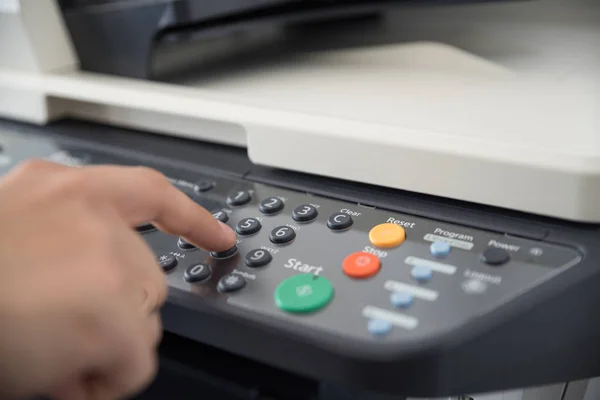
{"points": [[141, 195]]}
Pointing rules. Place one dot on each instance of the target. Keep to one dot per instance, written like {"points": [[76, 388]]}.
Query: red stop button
{"points": [[361, 265]]}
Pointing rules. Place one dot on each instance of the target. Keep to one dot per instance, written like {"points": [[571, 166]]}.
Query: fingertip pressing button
{"points": [[224, 254], [221, 216], [421, 273], [183, 244], [379, 327], [387, 235], [440, 249], [145, 228], [401, 299]]}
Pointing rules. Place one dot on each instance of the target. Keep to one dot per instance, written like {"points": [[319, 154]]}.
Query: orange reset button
{"points": [[387, 235], [361, 265]]}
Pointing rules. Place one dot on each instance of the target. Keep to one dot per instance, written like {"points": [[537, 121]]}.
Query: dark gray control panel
{"points": [[357, 286], [352, 270]]}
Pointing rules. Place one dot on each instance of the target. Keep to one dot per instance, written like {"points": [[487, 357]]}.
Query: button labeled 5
{"points": [[248, 226]]}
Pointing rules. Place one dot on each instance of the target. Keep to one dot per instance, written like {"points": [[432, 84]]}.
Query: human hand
{"points": [[79, 288]]}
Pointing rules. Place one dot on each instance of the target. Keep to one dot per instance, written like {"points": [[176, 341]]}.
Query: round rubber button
{"points": [[495, 256], [282, 235], [167, 262], [184, 245], [197, 273], [271, 205], [305, 213], [224, 254], [303, 293], [387, 235], [339, 222], [361, 265], [239, 198], [248, 226], [258, 258], [440, 249], [421, 274], [401, 299], [221, 216], [379, 327]]}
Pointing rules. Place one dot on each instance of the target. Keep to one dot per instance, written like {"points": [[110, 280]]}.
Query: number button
{"points": [[145, 228], [282, 235], [184, 245], [258, 258], [197, 273], [221, 216], [339, 222], [224, 254], [305, 213], [239, 198], [272, 205], [248, 226]]}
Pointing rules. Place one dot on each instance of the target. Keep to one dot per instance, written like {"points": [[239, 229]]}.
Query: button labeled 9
{"points": [[258, 258]]}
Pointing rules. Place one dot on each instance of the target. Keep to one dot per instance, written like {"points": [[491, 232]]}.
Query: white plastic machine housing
{"points": [[493, 103]]}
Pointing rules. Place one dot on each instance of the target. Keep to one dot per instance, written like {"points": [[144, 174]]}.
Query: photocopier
{"points": [[415, 185]]}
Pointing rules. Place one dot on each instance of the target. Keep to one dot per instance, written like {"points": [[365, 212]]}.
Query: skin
{"points": [[79, 288]]}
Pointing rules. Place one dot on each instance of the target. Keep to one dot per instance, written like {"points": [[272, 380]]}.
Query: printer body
{"points": [[414, 185]]}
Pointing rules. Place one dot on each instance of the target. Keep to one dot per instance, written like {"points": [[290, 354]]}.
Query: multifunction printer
{"points": [[415, 185]]}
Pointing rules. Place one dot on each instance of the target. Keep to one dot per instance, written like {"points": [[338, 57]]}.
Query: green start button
{"points": [[303, 293]]}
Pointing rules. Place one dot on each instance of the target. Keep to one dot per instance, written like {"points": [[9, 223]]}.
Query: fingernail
{"points": [[228, 232]]}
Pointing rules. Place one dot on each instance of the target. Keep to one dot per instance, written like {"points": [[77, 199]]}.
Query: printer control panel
{"points": [[347, 269], [330, 281]]}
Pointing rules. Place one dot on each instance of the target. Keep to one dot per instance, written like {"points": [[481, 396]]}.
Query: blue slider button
{"points": [[440, 249], [401, 299], [421, 273], [379, 327]]}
